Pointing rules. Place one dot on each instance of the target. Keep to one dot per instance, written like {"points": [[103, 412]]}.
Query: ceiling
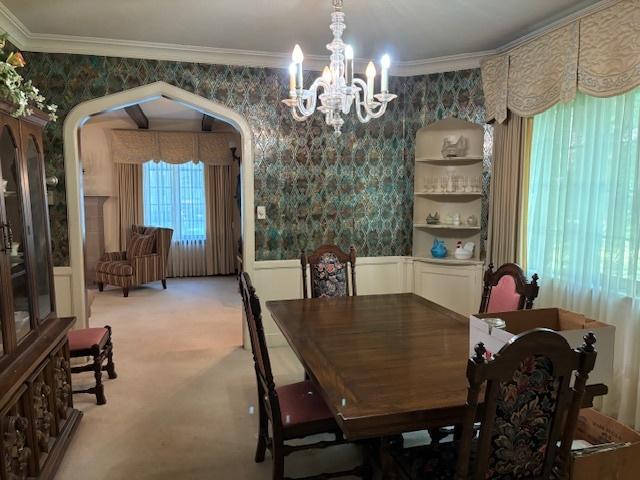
{"points": [[410, 30], [162, 112]]}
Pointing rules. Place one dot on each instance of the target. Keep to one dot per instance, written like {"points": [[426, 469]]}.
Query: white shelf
{"points": [[445, 227], [445, 194], [449, 261], [451, 160]]}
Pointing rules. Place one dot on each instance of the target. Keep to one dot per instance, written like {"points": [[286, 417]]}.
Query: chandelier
{"points": [[340, 88]]}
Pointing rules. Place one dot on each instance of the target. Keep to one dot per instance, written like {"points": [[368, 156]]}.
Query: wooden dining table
{"points": [[385, 364]]}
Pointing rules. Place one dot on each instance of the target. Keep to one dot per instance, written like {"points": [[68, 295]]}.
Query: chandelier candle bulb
{"points": [[371, 78], [326, 75], [385, 62], [348, 55], [298, 58], [292, 79]]}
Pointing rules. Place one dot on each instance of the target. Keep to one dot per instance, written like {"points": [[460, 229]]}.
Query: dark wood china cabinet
{"points": [[37, 418]]}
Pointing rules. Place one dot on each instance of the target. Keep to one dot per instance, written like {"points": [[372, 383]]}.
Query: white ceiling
{"points": [[410, 30], [163, 113]]}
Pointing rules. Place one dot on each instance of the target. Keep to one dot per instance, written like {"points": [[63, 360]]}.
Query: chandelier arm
{"points": [[361, 104], [296, 116], [308, 100]]}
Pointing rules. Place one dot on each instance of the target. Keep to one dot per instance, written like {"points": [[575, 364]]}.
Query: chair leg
{"points": [[97, 373], [278, 458], [125, 291], [263, 434], [164, 283], [100, 286], [111, 367]]}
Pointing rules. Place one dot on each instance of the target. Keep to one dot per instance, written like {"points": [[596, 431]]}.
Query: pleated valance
{"points": [[598, 54], [139, 146]]}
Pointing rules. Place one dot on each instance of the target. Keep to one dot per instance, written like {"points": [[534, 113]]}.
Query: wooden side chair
{"points": [[294, 411], [528, 415], [95, 343], [328, 271], [507, 289]]}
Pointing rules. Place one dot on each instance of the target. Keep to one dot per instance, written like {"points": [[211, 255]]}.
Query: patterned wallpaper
{"points": [[355, 189]]}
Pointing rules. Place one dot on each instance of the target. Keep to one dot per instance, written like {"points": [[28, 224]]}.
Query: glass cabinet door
{"points": [[40, 224], [15, 226]]}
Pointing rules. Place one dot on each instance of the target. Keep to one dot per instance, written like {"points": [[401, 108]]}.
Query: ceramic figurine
{"points": [[464, 252], [439, 249], [433, 219], [472, 221], [454, 146]]}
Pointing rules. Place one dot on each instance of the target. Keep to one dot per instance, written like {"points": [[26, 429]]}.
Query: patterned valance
{"points": [[139, 146], [598, 54]]}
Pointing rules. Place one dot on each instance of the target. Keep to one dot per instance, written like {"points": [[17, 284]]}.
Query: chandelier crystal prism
{"points": [[337, 88]]}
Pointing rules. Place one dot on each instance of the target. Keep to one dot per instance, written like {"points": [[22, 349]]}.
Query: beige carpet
{"points": [[180, 407]]}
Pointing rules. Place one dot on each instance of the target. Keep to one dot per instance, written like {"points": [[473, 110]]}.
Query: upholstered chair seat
{"points": [[301, 403], [144, 261], [86, 338], [95, 343]]}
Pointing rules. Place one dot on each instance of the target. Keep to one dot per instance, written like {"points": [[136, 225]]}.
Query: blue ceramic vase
{"points": [[439, 249]]}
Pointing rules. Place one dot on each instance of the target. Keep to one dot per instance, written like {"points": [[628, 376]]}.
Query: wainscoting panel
{"points": [[62, 283], [458, 288]]}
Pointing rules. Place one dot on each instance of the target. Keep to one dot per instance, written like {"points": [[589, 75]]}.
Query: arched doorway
{"points": [[73, 172]]}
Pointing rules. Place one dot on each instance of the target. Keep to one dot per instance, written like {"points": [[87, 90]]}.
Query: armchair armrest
{"points": [[113, 256]]}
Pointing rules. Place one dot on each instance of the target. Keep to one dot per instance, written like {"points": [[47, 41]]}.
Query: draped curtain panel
{"points": [[583, 229], [511, 146], [221, 248], [174, 197], [139, 146], [129, 189], [598, 54]]}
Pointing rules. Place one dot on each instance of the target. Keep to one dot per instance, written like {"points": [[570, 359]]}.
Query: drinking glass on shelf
{"points": [[468, 188], [477, 187], [443, 184]]}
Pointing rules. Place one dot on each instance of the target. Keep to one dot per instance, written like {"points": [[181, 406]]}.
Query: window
{"points": [[174, 197], [583, 223]]}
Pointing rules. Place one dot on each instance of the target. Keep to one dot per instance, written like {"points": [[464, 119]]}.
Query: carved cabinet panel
{"points": [[16, 452]]}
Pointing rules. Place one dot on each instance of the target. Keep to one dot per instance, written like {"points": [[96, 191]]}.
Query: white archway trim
{"points": [[73, 173]]}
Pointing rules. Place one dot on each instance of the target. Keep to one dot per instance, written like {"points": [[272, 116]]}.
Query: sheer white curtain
{"points": [[583, 233], [174, 197]]}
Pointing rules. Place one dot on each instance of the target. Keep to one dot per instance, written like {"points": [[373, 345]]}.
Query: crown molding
{"points": [[28, 41]]}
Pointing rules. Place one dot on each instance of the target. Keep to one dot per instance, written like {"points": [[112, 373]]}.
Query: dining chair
{"points": [[507, 289], [295, 411], [328, 272], [528, 411]]}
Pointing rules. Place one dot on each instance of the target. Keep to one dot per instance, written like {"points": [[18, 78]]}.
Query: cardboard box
{"points": [[620, 460], [572, 326]]}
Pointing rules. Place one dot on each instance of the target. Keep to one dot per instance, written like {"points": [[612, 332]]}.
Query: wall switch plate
{"points": [[261, 212]]}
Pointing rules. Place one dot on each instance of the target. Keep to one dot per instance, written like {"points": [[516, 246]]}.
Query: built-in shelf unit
{"points": [[450, 186]]}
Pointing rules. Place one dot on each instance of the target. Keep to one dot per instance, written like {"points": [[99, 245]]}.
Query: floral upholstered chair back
{"points": [[506, 289], [527, 398], [329, 269]]}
